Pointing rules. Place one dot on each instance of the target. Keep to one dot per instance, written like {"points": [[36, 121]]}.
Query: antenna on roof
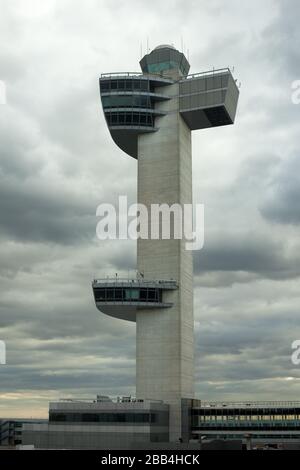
{"points": [[182, 44]]}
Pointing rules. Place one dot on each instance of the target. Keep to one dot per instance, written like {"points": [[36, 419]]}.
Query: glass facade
{"points": [[129, 119], [260, 436], [273, 419], [163, 59], [119, 84], [159, 67], [116, 294], [126, 101], [108, 417]]}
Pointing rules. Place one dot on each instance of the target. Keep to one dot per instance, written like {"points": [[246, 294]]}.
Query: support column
{"points": [[165, 351]]}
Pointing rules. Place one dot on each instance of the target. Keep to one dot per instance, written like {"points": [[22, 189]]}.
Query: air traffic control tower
{"points": [[150, 116]]}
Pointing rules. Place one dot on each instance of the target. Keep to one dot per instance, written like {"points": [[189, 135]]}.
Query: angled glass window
{"points": [[105, 86], [156, 68], [132, 294]]}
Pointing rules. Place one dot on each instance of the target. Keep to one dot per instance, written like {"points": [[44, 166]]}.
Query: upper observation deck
{"points": [[128, 101], [132, 105]]}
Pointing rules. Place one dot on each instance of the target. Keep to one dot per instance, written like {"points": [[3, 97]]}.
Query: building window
{"points": [[124, 84], [103, 417], [132, 101], [132, 294], [117, 294]]}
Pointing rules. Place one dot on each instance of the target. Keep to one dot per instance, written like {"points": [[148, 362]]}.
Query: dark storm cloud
{"points": [[249, 253], [283, 196], [118, 376], [41, 214]]}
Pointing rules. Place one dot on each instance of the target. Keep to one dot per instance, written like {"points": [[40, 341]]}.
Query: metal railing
{"points": [[121, 74], [249, 404], [209, 72], [109, 399], [125, 92], [136, 75], [120, 280]]}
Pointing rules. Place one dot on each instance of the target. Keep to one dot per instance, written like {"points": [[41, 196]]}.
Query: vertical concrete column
{"points": [[165, 349]]}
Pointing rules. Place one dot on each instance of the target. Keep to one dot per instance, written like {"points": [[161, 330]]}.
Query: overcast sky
{"points": [[58, 162]]}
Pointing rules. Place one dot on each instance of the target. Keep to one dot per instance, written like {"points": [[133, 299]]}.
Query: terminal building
{"points": [[11, 430], [271, 423], [130, 423], [103, 423]]}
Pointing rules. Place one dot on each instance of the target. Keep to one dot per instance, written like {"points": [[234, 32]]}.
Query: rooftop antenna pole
{"points": [[182, 45], [147, 45]]}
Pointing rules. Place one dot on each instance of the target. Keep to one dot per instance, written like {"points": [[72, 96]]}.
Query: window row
{"points": [[246, 427], [255, 436], [280, 418], [277, 413], [129, 295], [103, 417], [133, 119], [212, 82], [130, 101], [161, 66], [121, 84]]}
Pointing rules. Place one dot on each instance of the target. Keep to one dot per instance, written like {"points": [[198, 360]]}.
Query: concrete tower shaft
{"points": [[165, 350]]}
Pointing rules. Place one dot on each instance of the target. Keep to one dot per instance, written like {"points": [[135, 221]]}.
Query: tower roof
{"points": [[164, 57], [164, 46]]}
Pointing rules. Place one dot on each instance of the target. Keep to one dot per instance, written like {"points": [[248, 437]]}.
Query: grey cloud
{"points": [[283, 37], [31, 212], [282, 199], [247, 252]]}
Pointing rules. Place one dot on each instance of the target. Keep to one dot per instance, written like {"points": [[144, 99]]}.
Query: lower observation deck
{"points": [[121, 298]]}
